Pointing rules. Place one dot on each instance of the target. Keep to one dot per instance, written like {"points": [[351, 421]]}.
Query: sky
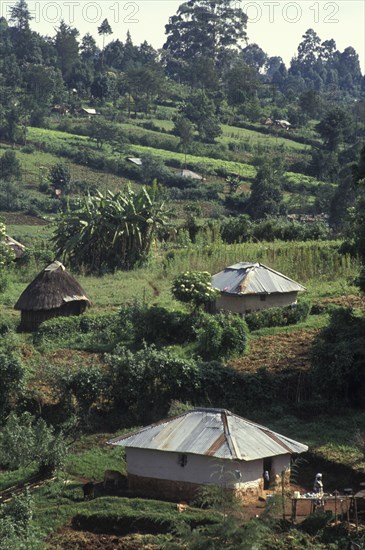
{"points": [[276, 26]]}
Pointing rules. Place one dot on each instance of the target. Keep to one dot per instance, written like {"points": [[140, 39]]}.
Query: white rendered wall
{"points": [[241, 304], [280, 463], [199, 469]]}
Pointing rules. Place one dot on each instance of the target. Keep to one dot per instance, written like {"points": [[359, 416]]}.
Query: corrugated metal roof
{"points": [[212, 432], [253, 278]]}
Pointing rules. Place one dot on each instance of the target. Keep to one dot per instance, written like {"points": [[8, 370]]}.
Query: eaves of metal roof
{"points": [[253, 278], [211, 432]]}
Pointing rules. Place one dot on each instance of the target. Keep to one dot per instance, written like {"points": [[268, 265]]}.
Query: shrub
{"points": [[150, 376], [60, 176], [9, 166], [338, 359], [221, 336], [154, 325], [194, 288], [25, 440], [11, 380], [87, 329], [278, 316], [141, 521]]}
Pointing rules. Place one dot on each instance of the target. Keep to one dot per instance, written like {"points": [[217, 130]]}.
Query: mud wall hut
{"points": [[53, 293]]}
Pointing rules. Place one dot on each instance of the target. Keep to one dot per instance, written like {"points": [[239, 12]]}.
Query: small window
{"points": [[262, 297], [182, 460]]}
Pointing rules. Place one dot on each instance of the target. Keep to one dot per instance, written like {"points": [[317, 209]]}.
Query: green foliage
{"points": [[338, 359], [138, 516], [11, 379], [266, 197], [25, 440], [194, 288], [221, 336], [154, 325], [9, 166], [86, 331], [16, 527], [241, 229], [150, 376], [200, 110], [278, 316], [60, 176], [110, 232], [87, 384]]}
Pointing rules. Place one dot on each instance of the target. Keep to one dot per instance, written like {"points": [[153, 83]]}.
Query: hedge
{"points": [[138, 521], [65, 328], [278, 316]]}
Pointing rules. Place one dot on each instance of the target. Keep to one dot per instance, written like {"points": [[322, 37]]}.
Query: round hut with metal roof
{"points": [[53, 293]]}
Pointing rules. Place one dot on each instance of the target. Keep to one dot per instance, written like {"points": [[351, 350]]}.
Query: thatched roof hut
{"points": [[53, 293], [16, 247]]}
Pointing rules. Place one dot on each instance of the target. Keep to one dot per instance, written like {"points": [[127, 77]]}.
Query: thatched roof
{"points": [[16, 247], [51, 289]]}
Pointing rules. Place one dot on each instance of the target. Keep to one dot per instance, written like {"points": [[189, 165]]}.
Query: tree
{"points": [[336, 127], [9, 166], [11, 377], [358, 217], [254, 56], [266, 197], [184, 128], [104, 30], [309, 48], [144, 84], [102, 131], [110, 231], [200, 110], [25, 440], [60, 176], [242, 83], [67, 48], [88, 48], [20, 15], [205, 28], [150, 376]]}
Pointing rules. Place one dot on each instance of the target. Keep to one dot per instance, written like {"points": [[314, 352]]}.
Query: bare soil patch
{"points": [[17, 218], [279, 352], [352, 300]]}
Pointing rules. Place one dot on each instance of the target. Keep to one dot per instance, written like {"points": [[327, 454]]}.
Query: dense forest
{"points": [[145, 172]]}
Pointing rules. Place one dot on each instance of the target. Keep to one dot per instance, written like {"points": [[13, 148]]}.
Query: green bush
{"points": [[140, 521], [150, 376], [338, 359], [278, 316], [221, 336], [154, 325], [87, 329], [194, 288], [11, 380]]}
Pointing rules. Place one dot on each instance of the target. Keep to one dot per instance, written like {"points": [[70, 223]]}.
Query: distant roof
{"points": [[191, 175], [283, 122], [253, 278], [135, 160], [51, 289], [211, 432], [16, 247], [89, 111]]}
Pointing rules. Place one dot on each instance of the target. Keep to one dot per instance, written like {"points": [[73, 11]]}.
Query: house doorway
{"points": [[267, 472]]}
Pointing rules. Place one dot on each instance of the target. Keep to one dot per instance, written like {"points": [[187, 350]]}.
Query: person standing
{"points": [[318, 489], [266, 480]]}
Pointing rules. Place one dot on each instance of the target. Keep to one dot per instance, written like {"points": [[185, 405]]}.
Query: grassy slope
{"points": [[57, 139]]}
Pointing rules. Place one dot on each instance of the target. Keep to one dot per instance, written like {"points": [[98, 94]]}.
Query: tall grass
{"points": [[300, 260]]}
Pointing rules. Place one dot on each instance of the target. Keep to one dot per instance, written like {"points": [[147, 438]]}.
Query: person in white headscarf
{"points": [[318, 488]]}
